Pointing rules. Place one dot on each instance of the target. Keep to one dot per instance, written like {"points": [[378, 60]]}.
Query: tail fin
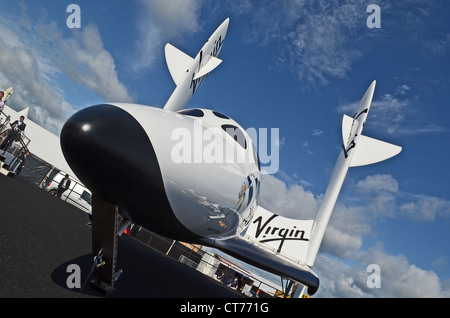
{"points": [[178, 62], [288, 247], [299, 240], [188, 73], [357, 150]]}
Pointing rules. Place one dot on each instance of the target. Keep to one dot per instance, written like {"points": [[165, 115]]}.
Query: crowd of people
{"points": [[11, 133], [232, 283]]}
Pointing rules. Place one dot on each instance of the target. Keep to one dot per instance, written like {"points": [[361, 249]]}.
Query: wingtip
{"points": [[371, 89], [226, 23]]}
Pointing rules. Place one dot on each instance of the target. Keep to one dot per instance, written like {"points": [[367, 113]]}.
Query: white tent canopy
{"points": [[44, 144]]}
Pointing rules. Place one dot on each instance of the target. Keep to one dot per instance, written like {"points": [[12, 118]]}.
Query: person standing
{"points": [[234, 284], [16, 127], [63, 186], [22, 159]]}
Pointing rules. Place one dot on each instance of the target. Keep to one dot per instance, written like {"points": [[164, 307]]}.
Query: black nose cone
{"points": [[113, 156], [109, 151]]}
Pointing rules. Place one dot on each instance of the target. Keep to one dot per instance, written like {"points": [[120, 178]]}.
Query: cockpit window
{"points": [[236, 134], [192, 112], [220, 115]]}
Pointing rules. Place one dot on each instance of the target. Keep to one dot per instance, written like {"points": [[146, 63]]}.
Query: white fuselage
{"points": [[211, 179]]}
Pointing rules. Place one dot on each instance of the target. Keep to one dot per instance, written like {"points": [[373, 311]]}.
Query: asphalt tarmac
{"points": [[41, 237]]}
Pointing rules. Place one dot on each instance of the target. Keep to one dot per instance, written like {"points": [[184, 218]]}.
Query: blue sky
{"points": [[292, 65]]}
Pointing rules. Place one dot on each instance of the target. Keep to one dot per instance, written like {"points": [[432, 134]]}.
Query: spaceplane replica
{"points": [[130, 157]]}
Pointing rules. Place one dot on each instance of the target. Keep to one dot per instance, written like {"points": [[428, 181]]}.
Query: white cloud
{"points": [[387, 112], [337, 279], [342, 262], [403, 89], [315, 40], [19, 68], [377, 183], [317, 132], [382, 197], [399, 278], [161, 21], [284, 200], [426, 208], [438, 47], [85, 61], [395, 114], [342, 237], [320, 49], [175, 16], [35, 58], [320, 41]]}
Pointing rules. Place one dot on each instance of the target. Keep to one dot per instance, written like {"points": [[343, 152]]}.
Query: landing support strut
{"points": [[104, 243]]}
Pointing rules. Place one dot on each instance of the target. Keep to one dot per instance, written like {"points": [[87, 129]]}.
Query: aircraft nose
{"points": [[112, 155], [104, 144], [88, 139]]}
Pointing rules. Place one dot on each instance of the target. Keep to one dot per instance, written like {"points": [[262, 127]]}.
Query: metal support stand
{"points": [[104, 244]]}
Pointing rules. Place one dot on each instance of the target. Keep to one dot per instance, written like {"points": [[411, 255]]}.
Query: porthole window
{"points": [[236, 134], [220, 115], [192, 112]]}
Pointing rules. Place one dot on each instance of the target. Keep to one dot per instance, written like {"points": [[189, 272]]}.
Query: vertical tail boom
{"points": [[357, 150], [189, 73]]}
